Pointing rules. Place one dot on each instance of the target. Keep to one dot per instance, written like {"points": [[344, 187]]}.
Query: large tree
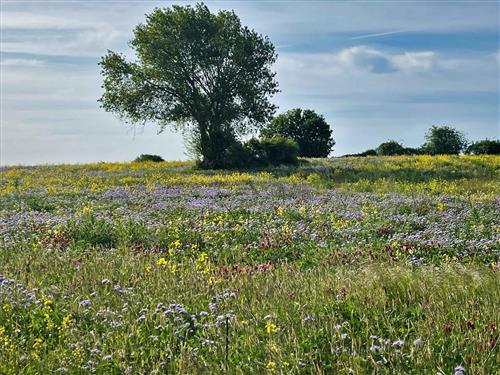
{"points": [[307, 128], [201, 72], [444, 140]]}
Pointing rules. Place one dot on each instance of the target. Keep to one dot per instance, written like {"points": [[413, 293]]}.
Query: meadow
{"points": [[386, 265]]}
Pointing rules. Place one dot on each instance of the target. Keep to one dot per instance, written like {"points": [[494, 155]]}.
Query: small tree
{"points": [[444, 140], [390, 148], [310, 130], [203, 73], [485, 147]]}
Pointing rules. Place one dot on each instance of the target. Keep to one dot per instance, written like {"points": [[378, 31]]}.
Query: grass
{"points": [[355, 265]]}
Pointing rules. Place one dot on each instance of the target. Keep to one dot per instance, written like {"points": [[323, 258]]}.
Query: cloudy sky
{"points": [[376, 70]]}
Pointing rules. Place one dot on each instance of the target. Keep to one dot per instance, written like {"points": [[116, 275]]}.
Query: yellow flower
{"points": [[148, 269], [285, 364], [161, 262], [38, 343], [271, 328], [271, 366], [202, 257], [67, 321], [280, 211]]}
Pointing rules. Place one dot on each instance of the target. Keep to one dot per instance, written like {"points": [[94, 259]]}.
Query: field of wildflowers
{"points": [[345, 265]]}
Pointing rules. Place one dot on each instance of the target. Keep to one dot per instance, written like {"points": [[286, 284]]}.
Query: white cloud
{"points": [[362, 58], [414, 60], [30, 20], [22, 62]]}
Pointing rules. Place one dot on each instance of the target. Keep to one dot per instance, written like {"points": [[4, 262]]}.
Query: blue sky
{"points": [[376, 70]]}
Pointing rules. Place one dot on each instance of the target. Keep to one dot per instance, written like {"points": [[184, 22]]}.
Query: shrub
{"points": [[147, 157], [369, 152], [280, 150], [390, 148], [444, 140], [310, 130], [485, 147], [412, 151], [261, 153], [256, 151], [239, 156]]}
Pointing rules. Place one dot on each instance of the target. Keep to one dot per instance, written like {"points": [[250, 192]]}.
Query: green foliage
{"points": [[390, 148], [369, 152], [147, 157], [92, 231], [259, 153], [280, 150], [484, 147], [203, 73], [444, 140], [412, 151], [310, 130]]}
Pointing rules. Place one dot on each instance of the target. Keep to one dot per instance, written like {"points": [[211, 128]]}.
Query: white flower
{"points": [[398, 344]]}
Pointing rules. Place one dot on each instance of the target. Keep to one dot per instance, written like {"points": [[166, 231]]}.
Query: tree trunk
{"points": [[214, 144]]}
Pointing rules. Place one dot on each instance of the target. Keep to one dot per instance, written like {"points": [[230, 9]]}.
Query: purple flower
{"points": [[85, 303]]}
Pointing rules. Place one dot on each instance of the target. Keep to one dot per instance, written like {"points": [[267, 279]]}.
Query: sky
{"points": [[376, 70]]}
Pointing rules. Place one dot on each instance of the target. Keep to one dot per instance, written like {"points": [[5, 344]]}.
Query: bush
{"points": [[280, 150], [444, 140], [257, 155], [239, 156], [390, 148], [369, 152], [310, 130], [147, 157], [262, 153], [484, 147], [412, 151]]}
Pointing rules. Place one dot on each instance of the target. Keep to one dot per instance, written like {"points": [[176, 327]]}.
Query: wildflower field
{"points": [[385, 265]]}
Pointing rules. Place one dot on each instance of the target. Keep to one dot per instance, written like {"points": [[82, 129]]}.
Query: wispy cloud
{"points": [[366, 36], [31, 20], [22, 62]]}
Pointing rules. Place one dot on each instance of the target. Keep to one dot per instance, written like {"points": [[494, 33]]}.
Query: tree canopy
{"points": [[203, 73], [310, 130], [444, 140], [485, 147], [391, 148]]}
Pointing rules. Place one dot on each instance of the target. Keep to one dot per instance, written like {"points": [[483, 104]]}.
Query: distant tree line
{"points": [[440, 140]]}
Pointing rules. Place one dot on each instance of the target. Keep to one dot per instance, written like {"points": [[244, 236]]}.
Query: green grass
{"points": [[137, 269]]}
